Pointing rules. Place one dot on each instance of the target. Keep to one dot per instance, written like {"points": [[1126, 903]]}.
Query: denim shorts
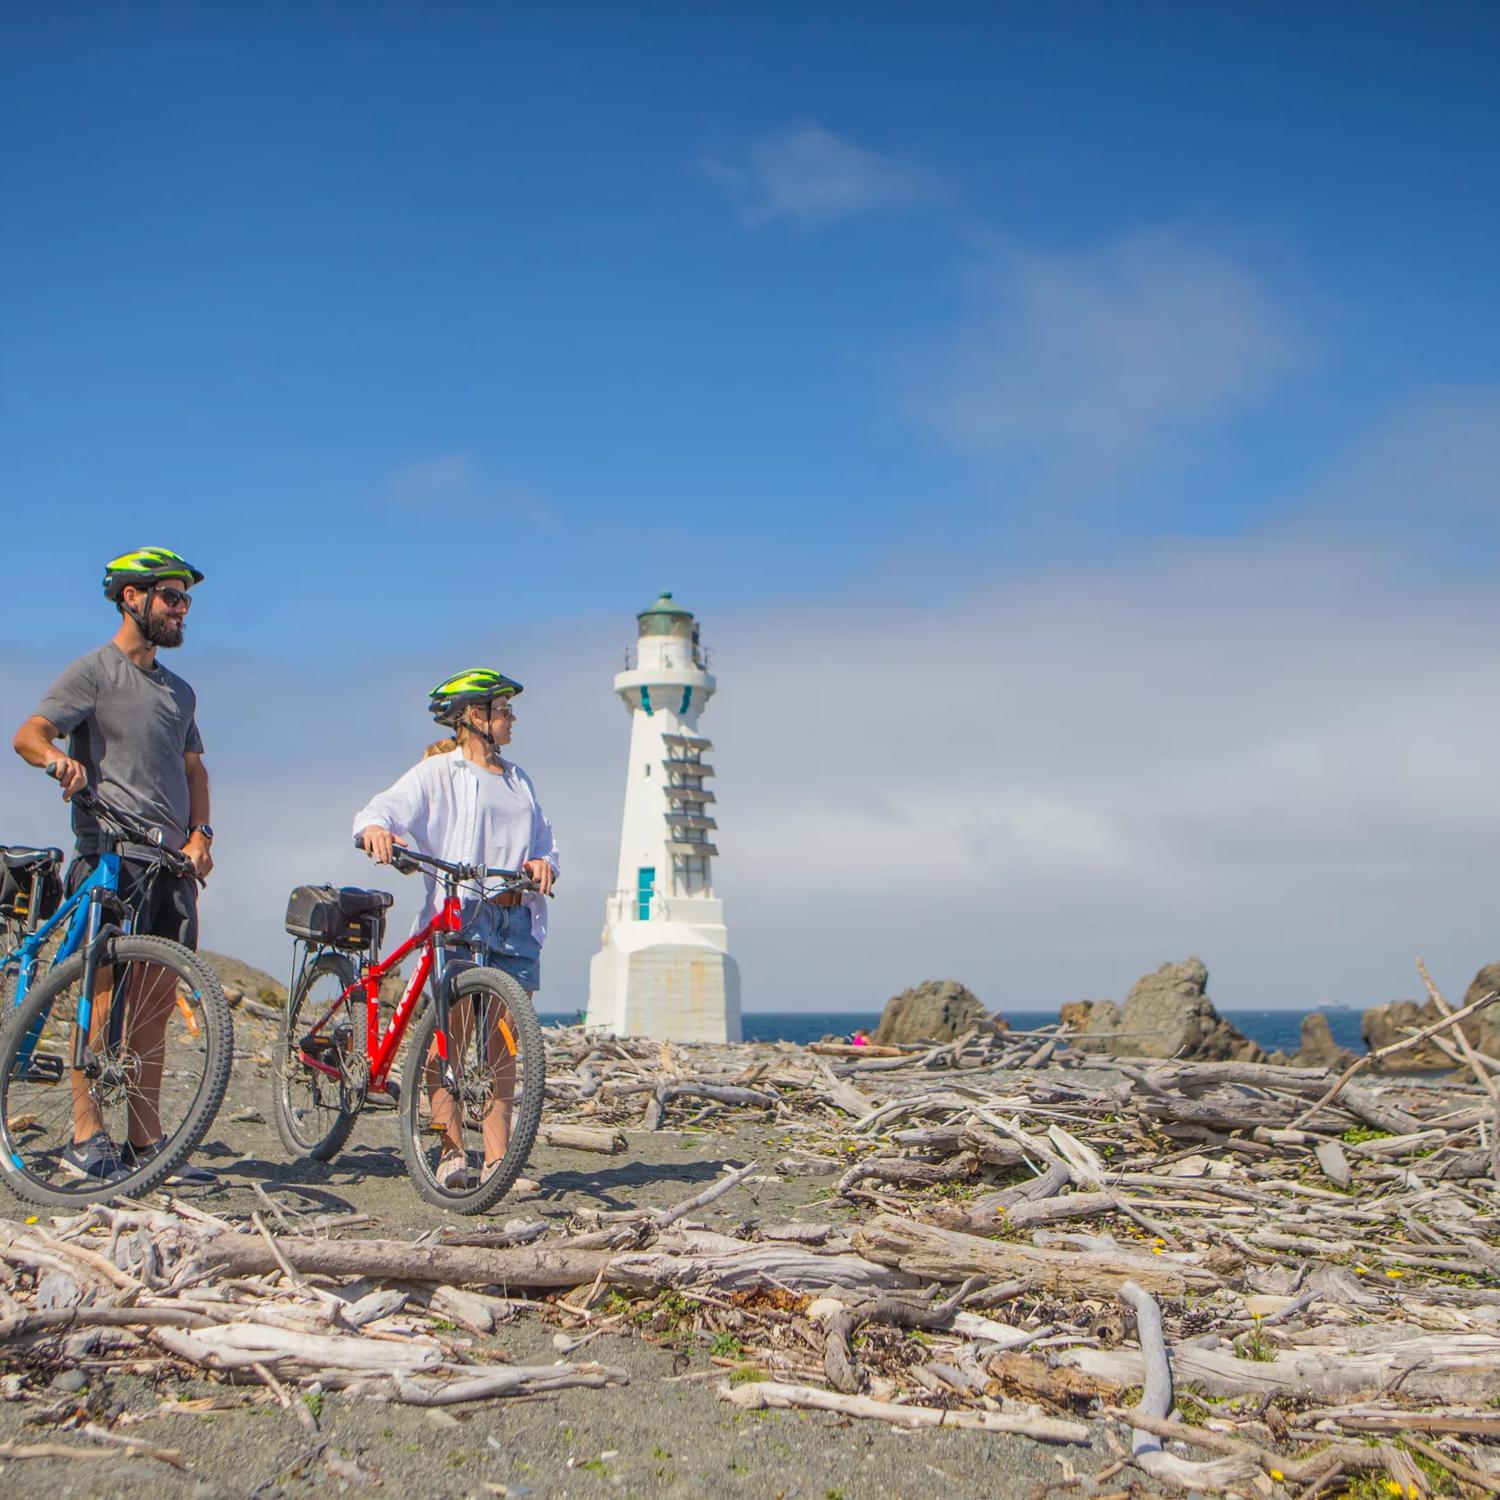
{"points": [[501, 938]]}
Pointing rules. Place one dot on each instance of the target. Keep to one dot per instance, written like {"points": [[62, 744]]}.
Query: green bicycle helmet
{"points": [[452, 696], [143, 567]]}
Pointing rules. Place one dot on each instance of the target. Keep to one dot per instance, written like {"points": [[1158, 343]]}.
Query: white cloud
{"points": [[454, 478], [1089, 362], [808, 176]]}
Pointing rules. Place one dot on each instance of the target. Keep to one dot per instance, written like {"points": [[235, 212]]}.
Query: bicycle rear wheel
{"points": [[487, 1095], [161, 1044], [316, 1110]]}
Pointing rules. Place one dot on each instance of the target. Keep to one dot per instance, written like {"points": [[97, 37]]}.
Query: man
{"points": [[132, 735]]}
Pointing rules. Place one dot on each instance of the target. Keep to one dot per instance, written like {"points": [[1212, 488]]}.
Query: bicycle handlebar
{"points": [[406, 860], [131, 827]]}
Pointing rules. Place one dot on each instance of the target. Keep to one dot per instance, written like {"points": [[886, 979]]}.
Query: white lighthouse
{"points": [[663, 968]]}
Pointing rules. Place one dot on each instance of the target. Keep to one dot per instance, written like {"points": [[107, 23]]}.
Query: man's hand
{"points": [[197, 853], [379, 842], [69, 774], [541, 872]]}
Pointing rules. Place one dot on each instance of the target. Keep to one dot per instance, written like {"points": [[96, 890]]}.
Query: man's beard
{"points": [[163, 630]]}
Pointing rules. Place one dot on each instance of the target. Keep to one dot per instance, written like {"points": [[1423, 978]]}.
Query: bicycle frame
{"points": [[105, 876], [381, 1047]]}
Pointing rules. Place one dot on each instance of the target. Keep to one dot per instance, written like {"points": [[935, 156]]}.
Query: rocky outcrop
{"points": [[1318, 1048], [1381, 1025], [247, 981], [937, 1010], [1166, 1014], [1483, 1031]]}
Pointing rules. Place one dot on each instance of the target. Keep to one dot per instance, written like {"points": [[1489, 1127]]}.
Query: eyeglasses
{"points": [[174, 598], [501, 709]]}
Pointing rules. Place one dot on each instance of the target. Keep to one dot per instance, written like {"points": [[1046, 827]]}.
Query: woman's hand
{"points": [[379, 842], [541, 872]]}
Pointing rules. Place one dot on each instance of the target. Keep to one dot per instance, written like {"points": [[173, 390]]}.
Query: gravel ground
{"points": [[657, 1436]]}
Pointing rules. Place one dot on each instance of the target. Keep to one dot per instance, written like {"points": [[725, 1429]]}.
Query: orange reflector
{"points": [[510, 1041], [187, 1015]]}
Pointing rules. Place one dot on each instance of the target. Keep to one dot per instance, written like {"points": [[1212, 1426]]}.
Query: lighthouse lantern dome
{"points": [[666, 617]]}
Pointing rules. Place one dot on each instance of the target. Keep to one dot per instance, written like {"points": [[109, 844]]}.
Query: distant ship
{"points": [[1334, 1008]]}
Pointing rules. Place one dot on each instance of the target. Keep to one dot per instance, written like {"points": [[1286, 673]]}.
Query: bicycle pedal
{"points": [[41, 1070]]}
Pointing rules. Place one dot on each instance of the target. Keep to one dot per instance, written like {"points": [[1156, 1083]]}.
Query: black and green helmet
{"points": [[145, 566], [452, 696]]}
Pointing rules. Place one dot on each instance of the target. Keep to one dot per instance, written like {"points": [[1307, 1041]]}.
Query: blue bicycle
{"points": [[88, 1044]]}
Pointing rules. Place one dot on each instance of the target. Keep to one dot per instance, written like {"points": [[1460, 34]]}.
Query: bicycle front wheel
{"points": [[470, 1118], [156, 1065]]}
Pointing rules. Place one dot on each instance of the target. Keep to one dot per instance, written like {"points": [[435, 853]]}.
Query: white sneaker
{"points": [[453, 1172]]}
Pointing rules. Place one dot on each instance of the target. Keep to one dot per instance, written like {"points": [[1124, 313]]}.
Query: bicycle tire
{"points": [[498, 986], [203, 1002], [12, 934], [306, 1146]]}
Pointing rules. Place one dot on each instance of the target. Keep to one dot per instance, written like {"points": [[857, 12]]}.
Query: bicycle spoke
{"points": [[152, 1056]]}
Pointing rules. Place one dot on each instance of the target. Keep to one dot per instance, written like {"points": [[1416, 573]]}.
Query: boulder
{"points": [[1381, 1025], [1318, 1048], [937, 1010], [1167, 1014], [1483, 1030], [1074, 1014]]}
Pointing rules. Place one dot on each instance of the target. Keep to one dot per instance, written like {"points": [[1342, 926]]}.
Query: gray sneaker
{"points": [[187, 1174], [97, 1158]]}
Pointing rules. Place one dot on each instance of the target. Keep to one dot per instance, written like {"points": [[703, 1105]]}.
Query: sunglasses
{"points": [[174, 598]]}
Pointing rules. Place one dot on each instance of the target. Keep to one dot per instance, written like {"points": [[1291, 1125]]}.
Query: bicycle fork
{"points": [[97, 935]]}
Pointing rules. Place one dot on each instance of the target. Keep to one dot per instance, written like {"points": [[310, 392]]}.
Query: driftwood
{"points": [[582, 1138], [772, 1393], [932, 1253], [1342, 1263]]}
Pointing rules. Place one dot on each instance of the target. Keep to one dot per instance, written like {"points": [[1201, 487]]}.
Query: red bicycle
{"points": [[471, 1094]]}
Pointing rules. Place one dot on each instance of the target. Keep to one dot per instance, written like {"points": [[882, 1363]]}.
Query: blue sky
{"points": [[458, 331]]}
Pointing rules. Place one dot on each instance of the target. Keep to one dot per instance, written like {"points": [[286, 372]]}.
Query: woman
{"points": [[472, 806]]}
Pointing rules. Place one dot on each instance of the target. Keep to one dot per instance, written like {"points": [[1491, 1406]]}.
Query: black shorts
{"points": [[164, 905]]}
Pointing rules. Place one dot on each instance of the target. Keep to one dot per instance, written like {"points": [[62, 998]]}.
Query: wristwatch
{"points": [[205, 829]]}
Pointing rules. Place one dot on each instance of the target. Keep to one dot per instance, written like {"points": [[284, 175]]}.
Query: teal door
{"points": [[645, 886]]}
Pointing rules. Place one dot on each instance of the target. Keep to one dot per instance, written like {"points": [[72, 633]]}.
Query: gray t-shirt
{"points": [[130, 727]]}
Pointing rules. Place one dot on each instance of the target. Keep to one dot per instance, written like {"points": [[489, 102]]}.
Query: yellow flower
{"points": [[1363, 1270], [1395, 1275], [33, 1218], [1392, 1487], [1156, 1249], [1257, 1316], [1277, 1474]]}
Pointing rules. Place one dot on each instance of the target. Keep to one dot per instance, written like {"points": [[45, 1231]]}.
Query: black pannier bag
{"points": [[338, 916], [18, 866]]}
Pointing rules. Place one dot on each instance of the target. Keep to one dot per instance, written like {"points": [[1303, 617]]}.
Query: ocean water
{"points": [[1273, 1029]]}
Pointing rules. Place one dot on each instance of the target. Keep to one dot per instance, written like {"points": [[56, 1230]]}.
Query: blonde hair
{"points": [[440, 747]]}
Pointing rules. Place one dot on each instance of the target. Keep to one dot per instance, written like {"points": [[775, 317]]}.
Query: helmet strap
{"points": [[138, 618], [493, 754]]}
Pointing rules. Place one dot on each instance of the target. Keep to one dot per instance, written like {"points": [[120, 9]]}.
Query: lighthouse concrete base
{"points": [[675, 988]]}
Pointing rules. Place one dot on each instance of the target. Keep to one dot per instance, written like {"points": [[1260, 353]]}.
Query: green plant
{"points": [[1255, 1345], [444, 1325], [726, 1346], [595, 1466], [1357, 1135], [746, 1375], [659, 1452], [313, 1401]]}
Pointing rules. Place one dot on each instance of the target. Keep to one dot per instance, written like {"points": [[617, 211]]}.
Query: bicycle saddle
{"points": [[23, 857], [354, 902]]}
